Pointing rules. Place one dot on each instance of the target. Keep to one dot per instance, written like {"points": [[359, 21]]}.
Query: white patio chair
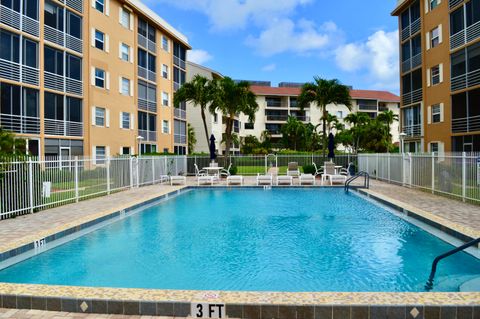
{"points": [[226, 172], [199, 172], [318, 171], [331, 174], [235, 180], [264, 180], [307, 179], [293, 170], [284, 180]]}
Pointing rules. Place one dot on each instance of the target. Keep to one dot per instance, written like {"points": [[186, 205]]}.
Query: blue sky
{"points": [[291, 40]]}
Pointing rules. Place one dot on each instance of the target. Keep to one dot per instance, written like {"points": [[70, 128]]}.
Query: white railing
{"points": [[179, 113], [20, 73], [63, 128], [179, 62], [147, 44], [180, 139], [454, 3], [19, 21], [411, 29], [466, 124], [33, 184], [412, 97], [455, 175], [148, 136], [147, 74], [465, 36], [20, 124], [413, 130], [63, 84], [145, 105], [63, 39], [75, 4], [465, 80]]}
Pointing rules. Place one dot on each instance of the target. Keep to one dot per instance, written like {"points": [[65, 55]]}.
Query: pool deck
{"points": [[451, 214]]}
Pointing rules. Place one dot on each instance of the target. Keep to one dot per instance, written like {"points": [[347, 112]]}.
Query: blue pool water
{"points": [[251, 239]]}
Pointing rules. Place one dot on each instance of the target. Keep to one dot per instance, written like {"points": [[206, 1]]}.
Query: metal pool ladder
{"points": [[366, 183], [429, 285]]}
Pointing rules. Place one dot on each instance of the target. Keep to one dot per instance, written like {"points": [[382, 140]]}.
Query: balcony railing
{"points": [[147, 44], [453, 3], [465, 36], [277, 104], [63, 39], [367, 107], [148, 136], [146, 105], [179, 62], [19, 21], [274, 132], [413, 130], [412, 29], [180, 114], [465, 80], [180, 139], [277, 118], [75, 4], [412, 63], [466, 124], [63, 128], [147, 74], [63, 84], [21, 73], [20, 124], [412, 97]]}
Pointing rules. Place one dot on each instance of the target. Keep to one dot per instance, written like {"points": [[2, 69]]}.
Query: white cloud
{"points": [[378, 56], [199, 56], [269, 67]]}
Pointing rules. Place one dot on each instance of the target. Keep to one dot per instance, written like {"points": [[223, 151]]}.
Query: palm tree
{"points": [[231, 99], [191, 138], [324, 92], [358, 121], [199, 91], [331, 121], [387, 118]]}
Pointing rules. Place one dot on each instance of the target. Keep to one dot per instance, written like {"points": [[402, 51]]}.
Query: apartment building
{"points": [[440, 74], [90, 77]]}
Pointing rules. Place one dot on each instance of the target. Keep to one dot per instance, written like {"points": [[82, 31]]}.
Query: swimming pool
{"points": [[251, 239]]}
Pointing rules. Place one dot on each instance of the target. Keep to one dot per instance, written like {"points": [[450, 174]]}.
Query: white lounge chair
{"points": [[318, 171], [235, 180], [178, 180], [293, 170], [264, 180], [332, 175], [164, 178], [226, 172], [285, 180], [307, 179], [205, 180]]}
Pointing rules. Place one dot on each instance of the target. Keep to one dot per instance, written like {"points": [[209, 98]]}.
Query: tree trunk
{"points": [[228, 136], [324, 128], [205, 125]]}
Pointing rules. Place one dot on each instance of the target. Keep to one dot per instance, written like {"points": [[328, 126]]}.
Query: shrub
{"points": [[308, 169], [233, 170]]}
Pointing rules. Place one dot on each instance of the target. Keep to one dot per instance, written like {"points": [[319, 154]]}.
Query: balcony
{"points": [[180, 139], [465, 36], [368, 107], [453, 3], [465, 80], [273, 104], [147, 44], [150, 106], [179, 62], [466, 124], [276, 118], [412, 29], [62, 84], [19, 21], [63, 128], [413, 130], [302, 118], [75, 4], [147, 74], [148, 136], [20, 124], [412, 97], [20, 73], [412, 63], [180, 114], [62, 39]]}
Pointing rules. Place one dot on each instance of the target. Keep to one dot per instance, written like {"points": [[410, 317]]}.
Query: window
{"points": [[146, 30], [165, 127], [73, 109], [147, 92], [53, 60], [100, 154], [165, 43], [125, 120], [74, 25], [99, 40], [100, 116], [165, 71], [54, 108], [340, 115], [435, 37], [249, 126], [9, 46], [436, 113], [457, 21], [125, 52], [435, 75], [459, 65], [433, 4], [473, 53], [165, 99], [125, 150], [73, 67], [99, 78], [125, 18], [472, 12], [125, 86], [147, 60], [434, 147], [215, 118], [53, 16], [100, 5]]}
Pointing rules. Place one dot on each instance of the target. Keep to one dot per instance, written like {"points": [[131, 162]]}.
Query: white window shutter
{"points": [[132, 121], [429, 75], [442, 108], [94, 154], [427, 4], [440, 69], [120, 119], [441, 147], [93, 3], [131, 88], [427, 37], [107, 7], [120, 11], [107, 80], [107, 43], [107, 120], [131, 55], [93, 37], [120, 84], [131, 21], [120, 50], [440, 34], [92, 76], [429, 115], [93, 115], [107, 151]]}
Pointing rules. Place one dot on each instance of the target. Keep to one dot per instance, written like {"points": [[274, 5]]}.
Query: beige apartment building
{"points": [[276, 104], [440, 74], [91, 77]]}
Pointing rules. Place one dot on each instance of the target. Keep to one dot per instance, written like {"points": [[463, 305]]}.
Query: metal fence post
{"points": [[131, 172], [464, 176], [410, 168], [108, 175], [153, 170], [30, 183], [76, 179], [433, 172], [376, 169], [266, 164], [403, 169], [389, 165]]}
